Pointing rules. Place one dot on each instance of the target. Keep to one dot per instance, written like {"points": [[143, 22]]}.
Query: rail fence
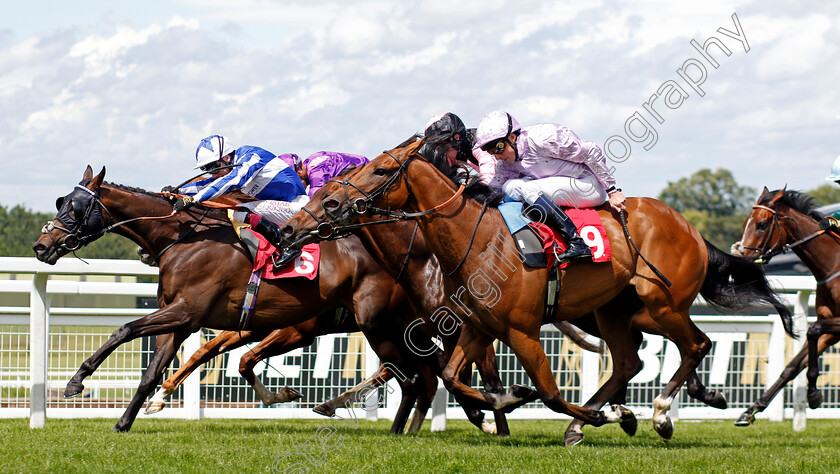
{"points": [[42, 344]]}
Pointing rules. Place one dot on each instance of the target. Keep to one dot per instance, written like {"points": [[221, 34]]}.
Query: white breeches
{"points": [[275, 211], [564, 191]]}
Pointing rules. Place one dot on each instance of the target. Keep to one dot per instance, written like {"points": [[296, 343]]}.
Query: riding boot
{"points": [[558, 220], [272, 233]]}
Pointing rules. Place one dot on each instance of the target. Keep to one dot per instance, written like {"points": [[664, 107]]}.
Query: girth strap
{"points": [[552, 295], [250, 298]]}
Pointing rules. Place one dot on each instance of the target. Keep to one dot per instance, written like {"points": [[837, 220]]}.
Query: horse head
{"points": [[78, 222], [374, 189], [774, 225]]}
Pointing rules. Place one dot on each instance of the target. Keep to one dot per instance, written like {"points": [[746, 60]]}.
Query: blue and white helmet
{"points": [[211, 149], [835, 171]]}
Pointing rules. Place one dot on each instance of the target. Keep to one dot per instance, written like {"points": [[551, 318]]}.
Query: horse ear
{"points": [[97, 181], [88, 174], [776, 197], [414, 147]]}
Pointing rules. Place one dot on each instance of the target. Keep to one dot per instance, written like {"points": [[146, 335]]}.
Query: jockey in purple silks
{"points": [[318, 168]]}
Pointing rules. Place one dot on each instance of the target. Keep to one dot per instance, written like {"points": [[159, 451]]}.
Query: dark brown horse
{"points": [[202, 280], [784, 220], [499, 298]]}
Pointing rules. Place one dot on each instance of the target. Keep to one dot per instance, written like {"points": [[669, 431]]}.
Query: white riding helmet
{"points": [[211, 149], [835, 171], [495, 125]]}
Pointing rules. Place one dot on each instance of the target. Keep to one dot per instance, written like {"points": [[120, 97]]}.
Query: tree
{"points": [[713, 202], [20, 228], [826, 194]]}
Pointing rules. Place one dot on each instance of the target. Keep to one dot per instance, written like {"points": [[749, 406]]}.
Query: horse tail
{"points": [[735, 283]]}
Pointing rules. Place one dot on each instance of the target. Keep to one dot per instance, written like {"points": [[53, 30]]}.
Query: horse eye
{"points": [[380, 171], [761, 225], [71, 211]]}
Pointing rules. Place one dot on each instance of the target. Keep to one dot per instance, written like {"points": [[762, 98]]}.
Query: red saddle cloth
{"points": [[305, 265], [590, 228]]}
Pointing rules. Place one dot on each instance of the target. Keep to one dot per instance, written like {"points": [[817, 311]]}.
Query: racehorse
{"points": [[783, 220], [387, 244], [204, 271], [504, 300]]}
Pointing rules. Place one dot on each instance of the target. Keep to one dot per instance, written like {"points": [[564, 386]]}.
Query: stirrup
{"points": [[283, 257]]}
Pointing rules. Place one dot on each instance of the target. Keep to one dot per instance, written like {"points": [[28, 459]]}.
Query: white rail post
{"points": [[371, 367], [439, 408], [192, 387], [775, 411], [38, 341], [590, 374], [800, 383]]}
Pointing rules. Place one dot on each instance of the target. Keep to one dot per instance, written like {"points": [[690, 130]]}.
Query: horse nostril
{"points": [[330, 204], [288, 231]]}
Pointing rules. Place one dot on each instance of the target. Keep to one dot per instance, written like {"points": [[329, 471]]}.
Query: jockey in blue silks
{"points": [[832, 221], [255, 172]]}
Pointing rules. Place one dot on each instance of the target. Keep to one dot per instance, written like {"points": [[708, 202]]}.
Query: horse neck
{"points": [[449, 230], [151, 234], [819, 254], [412, 262]]}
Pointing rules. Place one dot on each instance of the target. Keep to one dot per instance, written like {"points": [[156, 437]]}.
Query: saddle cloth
{"points": [[305, 265], [540, 244]]}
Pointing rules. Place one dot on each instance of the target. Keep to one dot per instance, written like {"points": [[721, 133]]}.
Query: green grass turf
{"points": [[535, 446]]}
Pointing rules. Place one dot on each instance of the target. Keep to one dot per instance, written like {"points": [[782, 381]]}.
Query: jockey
{"points": [[318, 168], [832, 221], [552, 161], [255, 172], [453, 146]]}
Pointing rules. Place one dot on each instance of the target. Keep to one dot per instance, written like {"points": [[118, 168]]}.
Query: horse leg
{"points": [[348, 397], [696, 390], [424, 399], [226, 341], [169, 319], [487, 367], [626, 364], [796, 365], [166, 346], [830, 326], [278, 342], [531, 355]]}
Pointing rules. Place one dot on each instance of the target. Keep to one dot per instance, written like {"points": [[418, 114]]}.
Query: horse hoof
{"points": [[746, 419], [324, 409], [628, 421], [73, 390], [121, 429], [488, 428], [717, 400], [291, 394], [524, 394], [665, 429], [815, 399], [572, 438], [154, 407]]}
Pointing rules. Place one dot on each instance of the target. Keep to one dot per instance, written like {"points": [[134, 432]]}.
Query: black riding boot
{"points": [[557, 219], [272, 233]]}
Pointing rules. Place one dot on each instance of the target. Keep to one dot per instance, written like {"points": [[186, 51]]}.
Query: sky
{"points": [[134, 86]]}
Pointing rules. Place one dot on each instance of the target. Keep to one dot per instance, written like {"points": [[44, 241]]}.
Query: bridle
{"points": [[327, 228], [765, 253], [91, 226]]}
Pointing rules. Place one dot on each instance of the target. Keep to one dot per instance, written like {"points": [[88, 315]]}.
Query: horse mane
{"points": [[476, 190], [133, 189], [795, 200]]}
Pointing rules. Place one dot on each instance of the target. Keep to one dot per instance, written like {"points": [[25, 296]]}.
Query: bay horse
{"points": [[387, 244], [505, 299], [203, 274], [783, 220]]}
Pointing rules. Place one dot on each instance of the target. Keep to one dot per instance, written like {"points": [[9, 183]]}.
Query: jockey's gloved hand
{"points": [[184, 203], [829, 222]]}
